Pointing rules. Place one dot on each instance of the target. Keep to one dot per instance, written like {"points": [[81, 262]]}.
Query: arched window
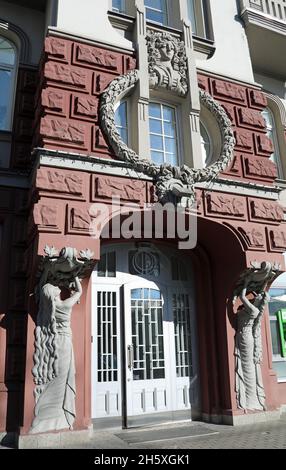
{"points": [[121, 121], [156, 11], [163, 134], [205, 145], [7, 82], [272, 134]]}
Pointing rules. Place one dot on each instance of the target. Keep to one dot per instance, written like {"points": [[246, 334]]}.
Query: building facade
{"points": [[111, 113]]}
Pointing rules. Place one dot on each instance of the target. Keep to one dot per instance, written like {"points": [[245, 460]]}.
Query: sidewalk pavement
{"points": [[188, 435]]}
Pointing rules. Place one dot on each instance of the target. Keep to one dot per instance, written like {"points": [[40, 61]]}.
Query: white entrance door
{"points": [[106, 370], [148, 387]]}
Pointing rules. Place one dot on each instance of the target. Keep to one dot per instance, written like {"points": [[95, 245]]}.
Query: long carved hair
{"points": [[46, 355]]}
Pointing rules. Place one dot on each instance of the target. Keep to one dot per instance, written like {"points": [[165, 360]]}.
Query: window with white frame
{"points": [[272, 134], [163, 134], [277, 302], [156, 11], [118, 6], [121, 121], [8, 64], [198, 14]]}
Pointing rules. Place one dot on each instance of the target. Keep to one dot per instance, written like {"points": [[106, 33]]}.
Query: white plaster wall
{"points": [[232, 56], [276, 87], [88, 18], [32, 22]]}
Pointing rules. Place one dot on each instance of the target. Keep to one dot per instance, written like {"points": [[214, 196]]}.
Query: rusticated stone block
{"points": [[250, 119], [128, 190], [48, 217], [225, 206], [229, 109], [59, 129], [130, 63], [264, 145], [85, 107], [244, 140], [203, 82], [253, 237], [99, 140], [265, 210], [66, 75], [53, 100], [60, 181], [101, 82], [229, 91], [277, 240], [79, 220], [257, 99], [57, 48], [90, 56], [235, 167], [260, 168]]}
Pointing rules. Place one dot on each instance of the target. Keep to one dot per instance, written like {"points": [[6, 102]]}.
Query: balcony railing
{"points": [[274, 8]]}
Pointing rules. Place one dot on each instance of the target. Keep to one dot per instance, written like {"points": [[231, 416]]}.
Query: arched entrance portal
{"points": [[144, 357]]}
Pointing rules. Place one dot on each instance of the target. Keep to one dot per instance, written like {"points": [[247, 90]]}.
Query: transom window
{"points": [[163, 134], [7, 80], [121, 121], [156, 11]]}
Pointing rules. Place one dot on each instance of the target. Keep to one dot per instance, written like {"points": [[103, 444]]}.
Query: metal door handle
{"points": [[130, 356]]}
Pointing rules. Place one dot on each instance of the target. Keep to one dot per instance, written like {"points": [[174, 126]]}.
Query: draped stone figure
{"points": [[248, 344], [54, 371]]}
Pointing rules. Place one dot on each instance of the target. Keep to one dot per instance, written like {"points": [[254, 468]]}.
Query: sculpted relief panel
{"points": [[251, 289], [167, 62], [54, 365]]}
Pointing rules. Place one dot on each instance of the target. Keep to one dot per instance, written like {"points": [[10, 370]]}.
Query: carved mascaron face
{"points": [[167, 51]]}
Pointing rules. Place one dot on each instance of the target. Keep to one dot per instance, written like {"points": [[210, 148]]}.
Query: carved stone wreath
{"points": [[170, 181]]}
